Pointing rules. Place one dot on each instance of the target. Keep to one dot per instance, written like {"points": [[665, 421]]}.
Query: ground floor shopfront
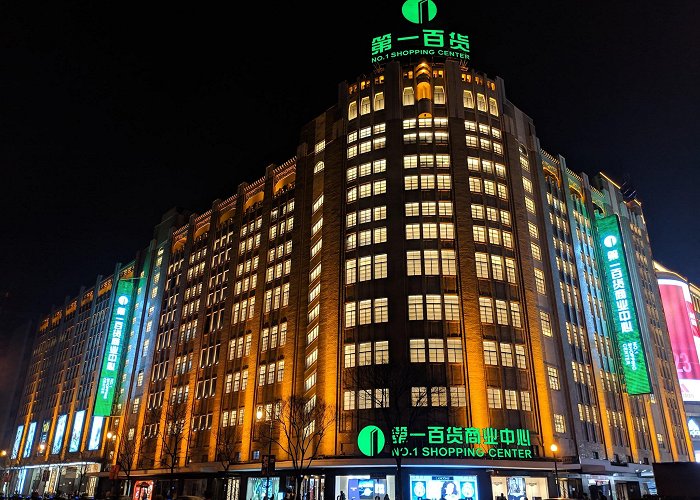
{"points": [[51, 479], [347, 479]]}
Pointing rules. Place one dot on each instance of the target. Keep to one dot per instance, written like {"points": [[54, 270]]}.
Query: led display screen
{"points": [[77, 431], [18, 440], [95, 433], [30, 440], [58, 435], [685, 337], [44, 436], [447, 487], [118, 329], [623, 321]]}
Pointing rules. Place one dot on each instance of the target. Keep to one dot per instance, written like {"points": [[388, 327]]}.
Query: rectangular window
{"points": [[433, 307], [525, 402], [454, 350], [506, 354], [438, 396], [381, 352], [559, 423], [380, 266], [501, 312], [539, 281], [415, 307], [490, 353], [349, 355], [436, 351], [350, 314], [520, 359], [493, 397], [417, 348], [348, 400], [511, 398], [419, 396], [515, 318], [486, 310], [458, 395], [553, 377], [546, 324], [365, 354]]}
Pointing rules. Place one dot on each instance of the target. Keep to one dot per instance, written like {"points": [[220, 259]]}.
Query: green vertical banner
{"points": [[111, 362], [624, 320]]}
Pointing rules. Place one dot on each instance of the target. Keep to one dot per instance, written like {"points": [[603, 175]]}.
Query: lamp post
{"points": [[554, 449], [259, 415]]}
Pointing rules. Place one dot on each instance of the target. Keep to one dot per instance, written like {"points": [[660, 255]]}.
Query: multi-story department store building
{"points": [[455, 297]]}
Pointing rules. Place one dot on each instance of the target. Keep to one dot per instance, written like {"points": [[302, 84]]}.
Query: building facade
{"points": [[681, 302], [419, 301]]}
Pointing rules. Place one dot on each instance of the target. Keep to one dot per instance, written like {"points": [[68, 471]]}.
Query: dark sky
{"points": [[111, 112]]}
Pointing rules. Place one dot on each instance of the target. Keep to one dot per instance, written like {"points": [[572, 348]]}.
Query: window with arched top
{"points": [[481, 102], [364, 106], [378, 101], [352, 110], [493, 106], [439, 95], [408, 97], [468, 99], [423, 91]]}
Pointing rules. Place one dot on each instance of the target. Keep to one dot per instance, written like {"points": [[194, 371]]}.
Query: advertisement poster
{"points": [[685, 337], [18, 439], [516, 488], [30, 440], [60, 433], [77, 431], [143, 490], [447, 487], [96, 433]]}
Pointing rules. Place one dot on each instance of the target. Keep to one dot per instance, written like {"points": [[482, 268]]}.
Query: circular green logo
{"points": [[419, 11], [370, 440]]}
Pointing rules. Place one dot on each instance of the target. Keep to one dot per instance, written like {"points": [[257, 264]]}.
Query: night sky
{"points": [[112, 113]]}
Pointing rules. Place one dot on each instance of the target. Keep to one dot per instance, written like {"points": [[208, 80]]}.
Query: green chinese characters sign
{"points": [[118, 329], [421, 40], [448, 442], [625, 324]]}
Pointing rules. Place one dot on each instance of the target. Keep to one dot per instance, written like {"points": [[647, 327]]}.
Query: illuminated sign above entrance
{"points": [[448, 442], [118, 329], [423, 41], [624, 322]]}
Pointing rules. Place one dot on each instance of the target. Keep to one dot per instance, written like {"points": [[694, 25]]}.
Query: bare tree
{"points": [[392, 394], [302, 424], [82, 469], [126, 455], [227, 440], [171, 437]]}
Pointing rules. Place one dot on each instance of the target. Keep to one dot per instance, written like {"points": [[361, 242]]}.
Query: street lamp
{"points": [[554, 449], [259, 415]]}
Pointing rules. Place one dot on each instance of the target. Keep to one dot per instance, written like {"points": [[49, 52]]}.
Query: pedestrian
{"points": [[386, 496]]}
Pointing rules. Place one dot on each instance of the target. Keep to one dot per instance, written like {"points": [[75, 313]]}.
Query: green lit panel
{"points": [[118, 329], [624, 320]]}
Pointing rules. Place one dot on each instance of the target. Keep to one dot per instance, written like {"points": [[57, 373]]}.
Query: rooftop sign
{"points": [[419, 39]]}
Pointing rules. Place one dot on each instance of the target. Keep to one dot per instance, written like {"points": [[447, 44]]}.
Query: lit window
{"points": [[364, 106], [493, 106], [408, 96], [436, 351], [352, 110], [546, 324], [539, 281], [485, 310], [439, 95], [415, 307], [493, 396], [378, 101], [511, 398], [481, 102], [468, 99], [419, 396], [417, 349], [458, 395], [490, 353], [438, 396]]}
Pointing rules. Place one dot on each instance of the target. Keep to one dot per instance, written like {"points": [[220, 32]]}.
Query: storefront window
{"points": [[521, 487], [447, 487], [364, 488], [256, 489]]}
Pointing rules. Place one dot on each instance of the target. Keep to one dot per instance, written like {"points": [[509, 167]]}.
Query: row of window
{"points": [[433, 307], [366, 237], [365, 268], [483, 143], [367, 311], [439, 396], [374, 167], [430, 230], [368, 353], [475, 164], [503, 314], [504, 352], [365, 132], [429, 208], [275, 336], [495, 267], [366, 190], [508, 399], [427, 181], [431, 262], [483, 128], [495, 236], [236, 381], [267, 373], [488, 187], [433, 350], [365, 216], [365, 105], [366, 146]]}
